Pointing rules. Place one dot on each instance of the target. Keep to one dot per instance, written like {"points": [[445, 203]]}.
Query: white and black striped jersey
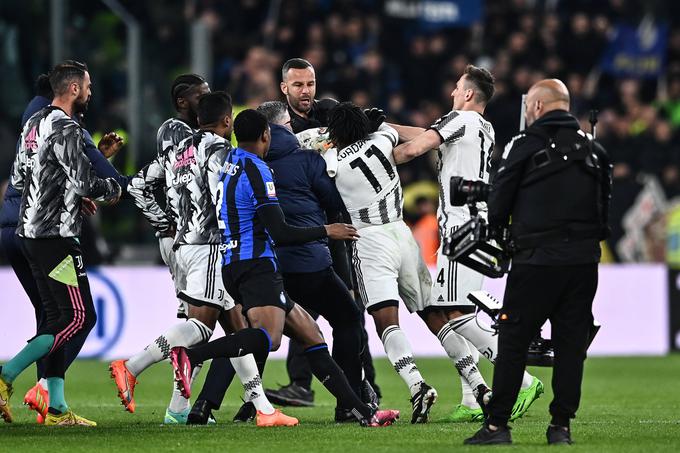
{"points": [[53, 172], [368, 181], [145, 186], [193, 173], [467, 144]]}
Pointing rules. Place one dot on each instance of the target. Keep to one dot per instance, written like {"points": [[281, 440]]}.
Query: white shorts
{"points": [[453, 282], [179, 278], [202, 265], [389, 266]]}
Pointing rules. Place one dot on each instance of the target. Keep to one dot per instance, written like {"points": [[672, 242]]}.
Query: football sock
{"points": [[243, 342], [400, 354], [261, 361], [458, 350], [43, 383], [331, 376], [55, 387], [246, 370], [35, 349], [178, 403], [184, 334], [468, 397], [217, 381], [479, 333]]}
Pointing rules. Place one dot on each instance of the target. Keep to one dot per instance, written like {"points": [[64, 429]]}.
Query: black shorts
{"points": [[256, 283]]}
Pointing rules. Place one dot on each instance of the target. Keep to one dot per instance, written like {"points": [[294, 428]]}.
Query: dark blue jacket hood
{"points": [[284, 143]]}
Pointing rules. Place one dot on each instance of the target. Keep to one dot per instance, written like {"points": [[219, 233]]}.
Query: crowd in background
{"points": [[362, 54]]}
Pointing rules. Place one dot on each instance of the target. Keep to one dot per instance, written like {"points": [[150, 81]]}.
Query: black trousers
{"points": [[68, 312], [325, 294], [533, 294], [22, 270]]}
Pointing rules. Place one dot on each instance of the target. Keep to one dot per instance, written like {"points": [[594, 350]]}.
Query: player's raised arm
{"points": [[407, 133], [425, 141]]}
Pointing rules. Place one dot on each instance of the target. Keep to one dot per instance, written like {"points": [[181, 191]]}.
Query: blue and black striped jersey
{"points": [[246, 184]]}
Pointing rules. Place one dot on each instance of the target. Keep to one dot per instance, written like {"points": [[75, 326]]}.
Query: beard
{"points": [[304, 108], [80, 105]]}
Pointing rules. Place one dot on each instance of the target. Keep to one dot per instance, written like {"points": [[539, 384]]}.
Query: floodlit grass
{"points": [[628, 404]]}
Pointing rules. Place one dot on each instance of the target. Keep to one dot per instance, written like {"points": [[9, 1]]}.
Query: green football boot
{"points": [[525, 399], [465, 414]]}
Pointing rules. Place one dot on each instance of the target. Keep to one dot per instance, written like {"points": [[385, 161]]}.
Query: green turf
{"points": [[629, 404]]}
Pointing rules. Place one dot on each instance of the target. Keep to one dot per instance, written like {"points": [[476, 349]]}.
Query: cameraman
{"points": [[554, 183]]}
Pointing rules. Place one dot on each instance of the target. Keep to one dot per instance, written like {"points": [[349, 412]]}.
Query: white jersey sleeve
{"points": [[367, 179]]}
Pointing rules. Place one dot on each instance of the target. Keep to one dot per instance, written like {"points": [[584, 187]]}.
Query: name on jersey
{"points": [[184, 178], [228, 246], [351, 149], [486, 126], [230, 169]]}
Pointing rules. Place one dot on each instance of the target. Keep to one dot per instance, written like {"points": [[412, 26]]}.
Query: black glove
{"points": [[376, 117]]}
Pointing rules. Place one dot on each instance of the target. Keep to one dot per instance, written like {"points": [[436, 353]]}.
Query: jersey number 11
{"points": [[359, 162]]}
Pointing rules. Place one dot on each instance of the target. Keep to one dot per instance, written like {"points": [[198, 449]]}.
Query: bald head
{"points": [[545, 96]]}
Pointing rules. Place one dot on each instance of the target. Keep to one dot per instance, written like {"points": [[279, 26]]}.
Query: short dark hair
{"points": [[183, 84], [274, 111], [249, 126], [294, 63], [483, 81], [43, 87], [347, 124], [212, 107], [64, 74]]}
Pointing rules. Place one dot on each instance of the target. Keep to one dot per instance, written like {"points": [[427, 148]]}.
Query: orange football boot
{"points": [[125, 382], [277, 418], [38, 399]]}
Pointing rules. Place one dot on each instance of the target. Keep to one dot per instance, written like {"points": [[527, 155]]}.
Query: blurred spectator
{"points": [[365, 55], [425, 229]]}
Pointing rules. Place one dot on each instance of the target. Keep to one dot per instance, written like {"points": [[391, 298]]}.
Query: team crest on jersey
{"points": [[271, 189]]}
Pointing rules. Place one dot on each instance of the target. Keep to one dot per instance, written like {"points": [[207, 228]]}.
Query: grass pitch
{"points": [[628, 404]]}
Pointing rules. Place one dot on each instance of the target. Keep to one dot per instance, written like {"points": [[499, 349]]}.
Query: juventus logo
{"points": [[79, 261]]}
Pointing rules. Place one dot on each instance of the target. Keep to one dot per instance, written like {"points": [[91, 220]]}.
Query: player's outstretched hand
{"points": [[342, 231], [110, 144], [376, 117], [88, 207]]}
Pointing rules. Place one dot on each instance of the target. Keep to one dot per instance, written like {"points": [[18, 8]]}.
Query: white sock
{"points": [[184, 334], [400, 354], [459, 351], [468, 397], [43, 383], [479, 333], [246, 370], [178, 403]]}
